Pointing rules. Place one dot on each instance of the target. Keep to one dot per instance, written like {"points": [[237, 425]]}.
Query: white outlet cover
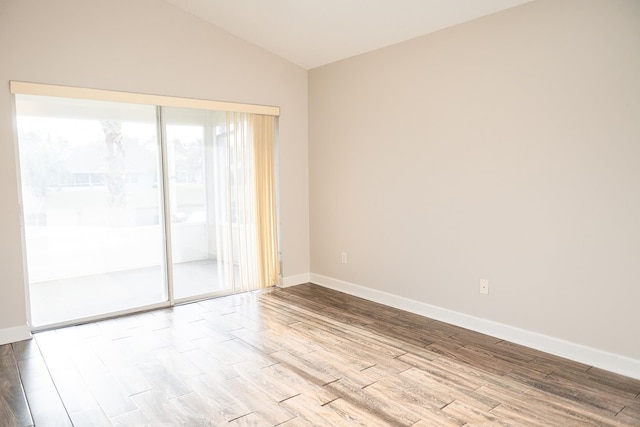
{"points": [[484, 286]]}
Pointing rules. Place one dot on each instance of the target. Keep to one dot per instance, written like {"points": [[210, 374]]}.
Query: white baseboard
{"points": [[297, 279], [590, 356], [18, 333]]}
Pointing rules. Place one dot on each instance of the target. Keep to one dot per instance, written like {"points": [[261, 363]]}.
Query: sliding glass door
{"points": [[213, 205], [131, 206], [191, 171], [92, 207]]}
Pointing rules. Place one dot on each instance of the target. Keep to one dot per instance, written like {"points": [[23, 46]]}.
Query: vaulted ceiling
{"points": [[312, 33]]}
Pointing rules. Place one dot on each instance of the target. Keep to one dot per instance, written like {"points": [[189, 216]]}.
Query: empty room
{"points": [[296, 213]]}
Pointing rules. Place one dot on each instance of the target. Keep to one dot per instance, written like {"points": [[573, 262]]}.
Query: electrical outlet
{"points": [[484, 286], [344, 257]]}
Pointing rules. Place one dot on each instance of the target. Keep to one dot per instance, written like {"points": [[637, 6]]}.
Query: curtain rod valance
{"points": [[26, 88]]}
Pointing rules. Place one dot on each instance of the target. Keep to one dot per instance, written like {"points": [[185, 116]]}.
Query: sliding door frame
{"points": [[166, 207], [159, 101]]}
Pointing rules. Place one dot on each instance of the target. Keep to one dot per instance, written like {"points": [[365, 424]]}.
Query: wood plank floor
{"points": [[300, 356]]}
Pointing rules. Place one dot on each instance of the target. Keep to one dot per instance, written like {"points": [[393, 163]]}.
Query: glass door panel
{"points": [[92, 207], [191, 172]]}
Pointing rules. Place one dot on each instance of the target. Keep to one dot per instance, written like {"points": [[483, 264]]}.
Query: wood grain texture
{"points": [[301, 356], [14, 410]]}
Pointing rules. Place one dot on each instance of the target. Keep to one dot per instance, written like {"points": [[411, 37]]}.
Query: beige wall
{"points": [[506, 148], [144, 46]]}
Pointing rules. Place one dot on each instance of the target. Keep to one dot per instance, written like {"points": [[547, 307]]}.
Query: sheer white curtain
{"points": [[245, 196], [263, 134]]}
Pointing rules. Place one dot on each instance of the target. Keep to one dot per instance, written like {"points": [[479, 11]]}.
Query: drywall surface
{"points": [[144, 46], [506, 149]]}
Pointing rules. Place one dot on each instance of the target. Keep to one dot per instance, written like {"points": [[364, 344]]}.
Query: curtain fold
{"points": [[246, 212], [263, 130]]}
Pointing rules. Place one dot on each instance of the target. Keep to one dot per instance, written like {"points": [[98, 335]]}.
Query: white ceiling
{"points": [[312, 33]]}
